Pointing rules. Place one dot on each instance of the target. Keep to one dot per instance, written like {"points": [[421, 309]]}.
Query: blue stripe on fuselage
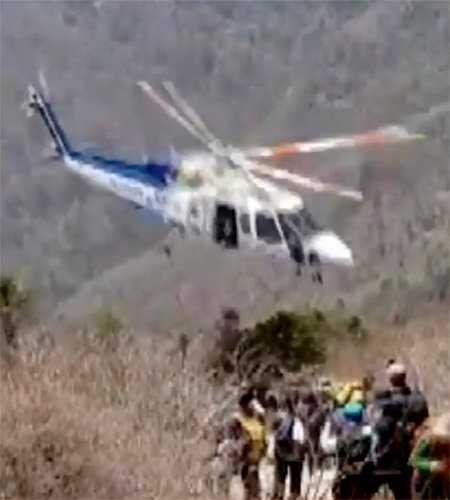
{"points": [[152, 173]]}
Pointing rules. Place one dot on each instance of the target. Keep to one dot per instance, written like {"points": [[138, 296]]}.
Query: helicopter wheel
{"points": [[314, 261], [165, 249], [317, 277]]}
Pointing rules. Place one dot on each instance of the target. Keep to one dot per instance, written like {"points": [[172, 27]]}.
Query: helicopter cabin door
{"points": [[225, 231], [196, 216], [246, 231]]}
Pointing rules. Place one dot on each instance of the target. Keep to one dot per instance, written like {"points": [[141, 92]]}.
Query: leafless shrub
{"points": [[82, 420]]}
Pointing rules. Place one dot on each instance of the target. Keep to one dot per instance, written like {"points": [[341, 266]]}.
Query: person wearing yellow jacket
{"points": [[251, 431], [352, 392]]}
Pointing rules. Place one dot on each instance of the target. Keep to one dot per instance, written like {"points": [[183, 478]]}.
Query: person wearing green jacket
{"points": [[430, 460]]}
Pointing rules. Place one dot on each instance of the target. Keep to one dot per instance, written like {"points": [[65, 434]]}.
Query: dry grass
{"points": [[92, 419], [121, 418], [423, 345]]}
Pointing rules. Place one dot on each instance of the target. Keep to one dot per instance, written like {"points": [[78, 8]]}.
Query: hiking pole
{"points": [[310, 466], [211, 415], [316, 492]]}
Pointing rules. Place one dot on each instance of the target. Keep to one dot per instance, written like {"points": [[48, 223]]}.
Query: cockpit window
{"points": [[266, 228], [308, 220], [301, 221]]}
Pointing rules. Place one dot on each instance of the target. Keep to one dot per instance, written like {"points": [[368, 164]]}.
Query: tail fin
{"points": [[37, 103]]}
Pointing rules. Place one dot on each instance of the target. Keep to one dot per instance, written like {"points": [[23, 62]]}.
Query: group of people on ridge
{"points": [[372, 437]]}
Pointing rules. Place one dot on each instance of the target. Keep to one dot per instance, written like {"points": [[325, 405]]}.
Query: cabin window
{"points": [[244, 220], [266, 229]]}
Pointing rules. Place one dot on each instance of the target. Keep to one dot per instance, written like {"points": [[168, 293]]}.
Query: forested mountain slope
{"points": [[257, 72]]}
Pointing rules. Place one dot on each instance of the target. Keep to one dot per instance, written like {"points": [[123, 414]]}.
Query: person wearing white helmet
{"points": [[402, 411], [413, 402], [399, 388]]}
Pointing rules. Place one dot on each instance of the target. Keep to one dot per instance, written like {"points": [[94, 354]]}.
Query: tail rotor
{"points": [[38, 102], [43, 84]]}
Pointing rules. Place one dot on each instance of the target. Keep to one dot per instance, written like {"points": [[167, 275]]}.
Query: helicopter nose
{"points": [[330, 249]]}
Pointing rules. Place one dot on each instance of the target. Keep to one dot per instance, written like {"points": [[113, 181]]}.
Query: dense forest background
{"points": [[257, 72]]}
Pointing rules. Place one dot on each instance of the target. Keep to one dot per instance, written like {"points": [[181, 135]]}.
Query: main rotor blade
{"points": [[190, 113], [305, 182], [391, 134], [214, 146], [172, 112]]}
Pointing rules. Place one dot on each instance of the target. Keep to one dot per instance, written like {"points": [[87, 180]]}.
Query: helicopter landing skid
{"points": [[316, 274], [175, 232], [317, 277]]}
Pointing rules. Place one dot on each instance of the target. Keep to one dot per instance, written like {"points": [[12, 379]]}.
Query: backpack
{"points": [[414, 413], [417, 411], [284, 432], [289, 438], [395, 437], [354, 447]]}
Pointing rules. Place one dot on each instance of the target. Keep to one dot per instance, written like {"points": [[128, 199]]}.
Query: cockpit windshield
{"points": [[301, 221], [266, 228]]}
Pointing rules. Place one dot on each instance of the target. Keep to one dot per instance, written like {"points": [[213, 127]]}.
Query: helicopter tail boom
{"points": [[37, 103]]}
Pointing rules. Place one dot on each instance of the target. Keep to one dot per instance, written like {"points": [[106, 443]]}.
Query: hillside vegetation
{"points": [[257, 72], [123, 416], [110, 389]]}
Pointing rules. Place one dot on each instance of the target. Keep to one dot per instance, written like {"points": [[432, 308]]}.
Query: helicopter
{"points": [[224, 194]]}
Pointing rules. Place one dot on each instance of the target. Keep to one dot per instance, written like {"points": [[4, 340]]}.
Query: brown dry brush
{"points": [[87, 420], [423, 345], [87, 416]]}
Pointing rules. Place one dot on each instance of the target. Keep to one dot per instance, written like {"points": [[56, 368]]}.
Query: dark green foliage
{"points": [[11, 293], [288, 340], [107, 323], [14, 304], [355, 327], [258, 73], [291, 341]]}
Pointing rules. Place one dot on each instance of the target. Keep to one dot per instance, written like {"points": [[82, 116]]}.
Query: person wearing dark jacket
{"points": [[353, 447], [289, 451], [403, 410], [413, 403]]}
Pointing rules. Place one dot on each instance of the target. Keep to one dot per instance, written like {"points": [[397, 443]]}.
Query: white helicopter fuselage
{"points": [[193, 208], [263, 223], [204, 196]]}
